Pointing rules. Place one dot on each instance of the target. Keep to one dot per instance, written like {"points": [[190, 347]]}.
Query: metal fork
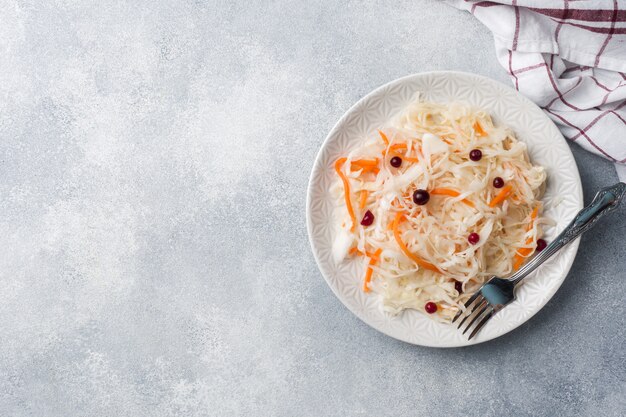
{"points": [[495, 294]]}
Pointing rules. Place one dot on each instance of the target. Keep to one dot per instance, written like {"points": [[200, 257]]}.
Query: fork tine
{"points": [[457, 315], [481, 301], [481, 324], [477, 316], [467, 304], [472, 298]]}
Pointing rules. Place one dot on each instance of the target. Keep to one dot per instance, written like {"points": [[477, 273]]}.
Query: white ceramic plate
{"points": [[563, 199]]}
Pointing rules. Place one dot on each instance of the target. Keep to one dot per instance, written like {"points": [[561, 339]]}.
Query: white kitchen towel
{"points": [[569, 57]]}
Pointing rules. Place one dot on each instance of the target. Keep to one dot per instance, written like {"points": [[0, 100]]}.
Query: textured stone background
{"points": [[154, 157]]}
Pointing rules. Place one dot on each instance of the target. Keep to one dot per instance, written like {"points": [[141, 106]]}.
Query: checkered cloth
{"points": [[569, 57]]}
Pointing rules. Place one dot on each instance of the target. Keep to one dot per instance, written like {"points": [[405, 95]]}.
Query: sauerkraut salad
{"points": [[435, 203]]}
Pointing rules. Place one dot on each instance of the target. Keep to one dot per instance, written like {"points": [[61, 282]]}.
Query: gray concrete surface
{"points": [[154, 157]]}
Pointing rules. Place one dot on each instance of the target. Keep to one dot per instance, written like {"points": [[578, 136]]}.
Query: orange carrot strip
{"points": [[520, 257], [366, 253], [357, 251], [394, 147], [363, 163], [383, 137], [364, 170], [522, 253], [364, 194], [368, 274], [407, 252], [479, 129], [451, 193], [533, 214], [445, 191], [502, 195], [346, 190], [410, 159]]}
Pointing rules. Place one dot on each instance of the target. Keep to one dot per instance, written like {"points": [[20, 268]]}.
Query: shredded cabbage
{"points": [[434, 142]]}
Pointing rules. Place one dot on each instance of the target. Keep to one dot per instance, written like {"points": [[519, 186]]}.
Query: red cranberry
{"points": [[475, 154], [421, 197], [498, 182], [458, 286], [541, 245], [368, 218], [473, 238], [430, 307], [396, 161]]}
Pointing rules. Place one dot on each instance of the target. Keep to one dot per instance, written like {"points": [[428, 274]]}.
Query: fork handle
{"points": [[605, 201]]}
